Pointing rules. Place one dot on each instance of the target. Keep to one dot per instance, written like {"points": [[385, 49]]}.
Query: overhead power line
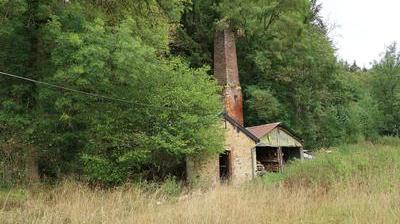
{"points": [[83, 92]]}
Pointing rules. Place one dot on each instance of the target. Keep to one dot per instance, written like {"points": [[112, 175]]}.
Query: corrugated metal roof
{"points": [[262, 130]]}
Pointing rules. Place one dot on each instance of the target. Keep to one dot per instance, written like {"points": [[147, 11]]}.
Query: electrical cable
{"points": [[83, 92], [87, 93]]}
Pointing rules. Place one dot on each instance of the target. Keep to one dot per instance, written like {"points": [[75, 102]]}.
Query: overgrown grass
{"points": [[11, 198], [348, 184], [361, 163]]}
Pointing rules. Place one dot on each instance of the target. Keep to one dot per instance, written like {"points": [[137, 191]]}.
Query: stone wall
{"points": [[204, 169], [241, 147]]}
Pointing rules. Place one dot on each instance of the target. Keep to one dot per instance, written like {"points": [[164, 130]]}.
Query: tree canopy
{"points": [[169, 110]]}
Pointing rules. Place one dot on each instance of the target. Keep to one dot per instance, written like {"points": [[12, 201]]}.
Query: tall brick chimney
{"points": [[227, 73]]}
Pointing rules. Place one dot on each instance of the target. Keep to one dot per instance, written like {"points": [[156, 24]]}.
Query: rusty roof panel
{"points": [[262, 130]]}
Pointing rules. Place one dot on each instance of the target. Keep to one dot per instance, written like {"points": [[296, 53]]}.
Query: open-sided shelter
{"points": [[277, 146]]}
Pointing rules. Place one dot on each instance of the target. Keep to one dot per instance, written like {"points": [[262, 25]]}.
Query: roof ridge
{"points": [[261, 125], [261, 130]]}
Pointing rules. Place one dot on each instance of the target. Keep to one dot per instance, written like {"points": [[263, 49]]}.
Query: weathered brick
{"points": [[227, 74], [205, 168]]}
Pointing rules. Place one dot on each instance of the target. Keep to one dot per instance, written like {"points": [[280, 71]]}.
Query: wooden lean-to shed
{"points": [[277, 147]]}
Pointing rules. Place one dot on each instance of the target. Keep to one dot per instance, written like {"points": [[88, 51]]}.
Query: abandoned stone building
{"points": [[249, 152]]}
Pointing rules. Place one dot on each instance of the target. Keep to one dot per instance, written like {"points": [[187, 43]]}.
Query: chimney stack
{"points": [[227, 74]]}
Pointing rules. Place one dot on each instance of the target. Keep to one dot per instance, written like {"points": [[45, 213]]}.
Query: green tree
{"points": [[287, 64], [386, 89], [107, 48]]}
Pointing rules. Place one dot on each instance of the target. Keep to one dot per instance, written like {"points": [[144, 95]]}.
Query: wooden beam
{"points": [[280, 159]]}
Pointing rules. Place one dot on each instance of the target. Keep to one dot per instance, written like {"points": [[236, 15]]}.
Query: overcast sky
{"points": [[363, 27]]}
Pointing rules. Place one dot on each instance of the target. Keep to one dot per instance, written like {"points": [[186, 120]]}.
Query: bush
{"points": [[12, 165], [171, 187]]}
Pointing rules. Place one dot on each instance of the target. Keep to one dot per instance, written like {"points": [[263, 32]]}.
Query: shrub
{"points": [[171, 187], [12, 165]]}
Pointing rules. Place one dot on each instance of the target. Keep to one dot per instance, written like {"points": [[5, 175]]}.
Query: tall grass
{"points": [[347, 164], [349, 184]]}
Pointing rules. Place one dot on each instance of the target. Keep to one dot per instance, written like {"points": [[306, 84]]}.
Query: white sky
{"points": [[363, 27]]}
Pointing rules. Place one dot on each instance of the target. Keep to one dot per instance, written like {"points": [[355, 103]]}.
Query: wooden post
{"points": [[301, 153], [280, 158], [254, 161]]}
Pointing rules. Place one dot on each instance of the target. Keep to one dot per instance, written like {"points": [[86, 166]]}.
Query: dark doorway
{"points": [[291, 153], [225, 166]]}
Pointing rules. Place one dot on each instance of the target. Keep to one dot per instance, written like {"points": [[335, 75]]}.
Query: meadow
{"points": [[349, 184]]}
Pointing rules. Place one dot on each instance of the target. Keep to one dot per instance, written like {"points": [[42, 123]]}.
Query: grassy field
{"points": [[349, 184]]}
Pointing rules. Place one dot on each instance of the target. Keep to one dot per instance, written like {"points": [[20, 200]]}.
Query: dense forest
{"points": [[147, 67]]}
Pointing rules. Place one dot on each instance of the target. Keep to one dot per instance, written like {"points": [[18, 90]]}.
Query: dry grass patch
{"points": [[359, 187], [254, 203]]}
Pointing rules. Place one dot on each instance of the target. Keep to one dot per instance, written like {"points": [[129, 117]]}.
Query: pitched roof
{"points": [[262, 130], [241, 128]]}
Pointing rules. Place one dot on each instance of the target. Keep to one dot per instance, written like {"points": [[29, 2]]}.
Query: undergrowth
{"points": [[347, 184]]}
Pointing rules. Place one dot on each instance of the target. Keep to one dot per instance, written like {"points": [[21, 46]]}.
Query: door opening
{"points": [[224, 166]]}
